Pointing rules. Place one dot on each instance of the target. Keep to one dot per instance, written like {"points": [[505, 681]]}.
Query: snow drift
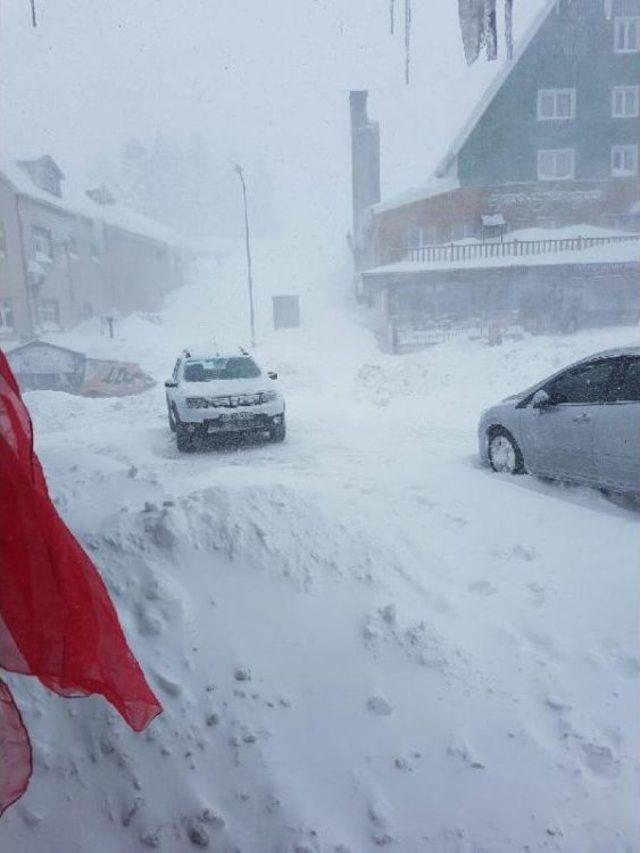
{"points": [[361, 638]]}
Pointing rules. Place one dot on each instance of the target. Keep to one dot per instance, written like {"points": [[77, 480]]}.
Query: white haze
{"points": [[263, 84]]}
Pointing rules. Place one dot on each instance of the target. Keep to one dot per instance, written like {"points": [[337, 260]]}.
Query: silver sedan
{"points": [[580, 425]]}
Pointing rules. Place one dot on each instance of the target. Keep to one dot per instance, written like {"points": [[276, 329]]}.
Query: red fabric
{"points": [[15, 751], [57, 621]]}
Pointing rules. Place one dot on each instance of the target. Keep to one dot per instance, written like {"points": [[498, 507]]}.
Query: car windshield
{"points": [[209, 369]]}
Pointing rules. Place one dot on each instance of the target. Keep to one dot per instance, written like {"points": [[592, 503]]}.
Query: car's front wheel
{"points": [[504, 454], [185, 440]]}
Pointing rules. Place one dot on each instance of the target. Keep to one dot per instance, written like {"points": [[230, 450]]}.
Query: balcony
{"points": [[465, 252]]}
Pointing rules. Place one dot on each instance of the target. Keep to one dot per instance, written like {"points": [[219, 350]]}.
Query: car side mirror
{"points": [[170, 383], [272, 375], [541, 400]]}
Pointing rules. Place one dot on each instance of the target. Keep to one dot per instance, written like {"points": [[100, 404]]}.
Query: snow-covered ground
{"points": [[361, 638]]}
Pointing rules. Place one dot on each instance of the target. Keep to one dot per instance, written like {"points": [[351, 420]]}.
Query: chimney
{"points": [[365, 169], [101, 195]]}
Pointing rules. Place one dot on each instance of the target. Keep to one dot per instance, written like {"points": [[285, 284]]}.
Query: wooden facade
{"points": [[551, 151]]}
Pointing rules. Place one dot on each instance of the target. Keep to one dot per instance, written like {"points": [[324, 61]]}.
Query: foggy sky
{"points": [[262, 80]]}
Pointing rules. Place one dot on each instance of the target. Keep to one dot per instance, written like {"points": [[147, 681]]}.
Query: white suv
{"points": [[221, 393]]}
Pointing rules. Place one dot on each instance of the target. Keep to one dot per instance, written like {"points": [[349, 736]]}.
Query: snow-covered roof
{"points": [[493, 89], [436, 186], [17, 347], [74, 200], [611, 253], [443, 180]]}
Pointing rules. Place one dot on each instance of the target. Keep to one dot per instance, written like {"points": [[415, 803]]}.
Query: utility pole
{"points": [[246, 234]]}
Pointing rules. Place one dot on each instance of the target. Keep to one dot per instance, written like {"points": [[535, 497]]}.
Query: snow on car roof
{"points": [[213, 351]]}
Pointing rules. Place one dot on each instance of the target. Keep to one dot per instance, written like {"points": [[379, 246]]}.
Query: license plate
{"points": [[237, 417], [239, 420]]}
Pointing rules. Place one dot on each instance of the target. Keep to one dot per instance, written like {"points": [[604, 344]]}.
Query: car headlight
{"points": [[197, 403], [268, 396]]}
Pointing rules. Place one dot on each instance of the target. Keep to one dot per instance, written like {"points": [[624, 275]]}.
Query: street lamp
{"points": [[238, 169]]}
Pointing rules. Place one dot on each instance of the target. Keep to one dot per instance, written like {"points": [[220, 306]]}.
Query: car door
{"points": [[558, 437], [616, 439]]}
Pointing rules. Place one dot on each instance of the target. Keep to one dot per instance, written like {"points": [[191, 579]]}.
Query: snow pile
{"points": [[361, 638]]}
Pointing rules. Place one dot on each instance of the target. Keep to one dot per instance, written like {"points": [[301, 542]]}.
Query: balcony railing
{"points": [[453, 252]]}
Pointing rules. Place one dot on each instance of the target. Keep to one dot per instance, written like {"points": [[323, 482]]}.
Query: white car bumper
{"points": [[231, 419]]}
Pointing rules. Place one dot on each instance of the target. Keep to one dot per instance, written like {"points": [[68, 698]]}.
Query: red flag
{"points": [[15, 751], [57, 621]]}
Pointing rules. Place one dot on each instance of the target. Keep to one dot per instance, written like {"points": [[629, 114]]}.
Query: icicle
{"points": [[471, 13], [508, 27], [490, 31], [33, 12], [407, 39], [392, 16], [608, 9]]}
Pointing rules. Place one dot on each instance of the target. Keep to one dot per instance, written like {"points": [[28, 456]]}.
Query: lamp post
{"points": [[246, 234]]}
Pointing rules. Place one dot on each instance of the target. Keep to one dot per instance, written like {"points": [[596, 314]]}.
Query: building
{"points": [[67, 255], [550, 155], [365, 175], [41, 365]]}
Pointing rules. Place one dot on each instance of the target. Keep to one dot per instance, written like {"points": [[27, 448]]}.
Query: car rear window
{"points": [[209, 369]]}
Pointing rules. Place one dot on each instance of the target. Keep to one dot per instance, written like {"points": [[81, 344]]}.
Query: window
{"points": [[421, 236], [628, 389], [41, 241], [94, 251], [87, 310], [6, 314], [626, 35], [414, 238], [48, 312], [588, 383], [624, 101], [462, 230], [444, 233], [3, 241], [556, 104], [556, 164], [624, 160], [72, 246]]}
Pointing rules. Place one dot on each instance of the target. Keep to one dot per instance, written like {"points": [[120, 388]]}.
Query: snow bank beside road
{"points": [[334, 681]]}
